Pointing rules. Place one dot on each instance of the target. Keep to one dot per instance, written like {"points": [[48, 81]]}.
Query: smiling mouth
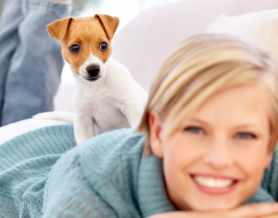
{"points": [[214, 185]]}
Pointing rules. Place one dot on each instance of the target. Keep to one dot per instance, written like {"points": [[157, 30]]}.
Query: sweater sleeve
{"points": [[96, 179], [25, 163], [68, 193]]}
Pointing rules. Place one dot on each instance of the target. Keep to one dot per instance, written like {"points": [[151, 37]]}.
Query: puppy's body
{"points": [[114, 101], [105, 95]]}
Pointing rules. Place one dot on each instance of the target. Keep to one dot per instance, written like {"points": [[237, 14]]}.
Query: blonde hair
{"points": [[200, 67]]}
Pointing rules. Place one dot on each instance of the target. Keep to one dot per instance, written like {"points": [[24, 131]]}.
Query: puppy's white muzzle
{"points": [[92, 69]]}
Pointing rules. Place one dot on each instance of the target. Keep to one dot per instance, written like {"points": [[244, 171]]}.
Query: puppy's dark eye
{"points": [[74, 48], [103, 46]]}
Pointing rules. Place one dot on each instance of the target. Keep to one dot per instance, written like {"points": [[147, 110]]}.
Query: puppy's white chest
{"points": [[106, 114], [112, 102]]}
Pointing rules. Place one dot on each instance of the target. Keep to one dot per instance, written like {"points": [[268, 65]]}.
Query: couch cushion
{"points": [[12, 130], [260, 27], [143, 43]]}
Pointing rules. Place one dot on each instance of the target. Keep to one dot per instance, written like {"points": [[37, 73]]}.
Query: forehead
{"points": [[86, 29], [238, 105]]}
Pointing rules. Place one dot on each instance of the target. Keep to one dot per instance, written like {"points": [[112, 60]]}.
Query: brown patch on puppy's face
{"points": [[88, 34], [86, 45]]}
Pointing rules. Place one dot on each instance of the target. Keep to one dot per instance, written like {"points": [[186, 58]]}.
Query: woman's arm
{"points": [[68, 192], [260, 210]]}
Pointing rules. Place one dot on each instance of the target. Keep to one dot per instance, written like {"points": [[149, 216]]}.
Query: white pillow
{"points": [[144, 42], [260, 27], [12, 130]]}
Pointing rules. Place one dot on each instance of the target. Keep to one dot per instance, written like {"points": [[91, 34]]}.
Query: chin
{"points": [[212, 205], [209, 203]]}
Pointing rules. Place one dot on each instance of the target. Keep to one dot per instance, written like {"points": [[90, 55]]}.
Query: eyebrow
{"points": [[78, 40], [102, 39], [207, 124], [198, 121]]}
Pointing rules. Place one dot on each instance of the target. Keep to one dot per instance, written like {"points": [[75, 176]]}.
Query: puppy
{"points": [[105, 97]]}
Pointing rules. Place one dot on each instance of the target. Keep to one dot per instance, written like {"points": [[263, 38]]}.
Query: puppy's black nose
{"points": [[93, 70]]}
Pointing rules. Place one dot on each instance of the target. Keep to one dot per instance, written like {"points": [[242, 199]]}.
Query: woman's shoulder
{"points": [[111, 152], [105, 154], [99, 167], [116, 142]]}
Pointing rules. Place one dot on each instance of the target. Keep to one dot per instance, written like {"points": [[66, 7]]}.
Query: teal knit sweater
{"points": [[43, 174]]}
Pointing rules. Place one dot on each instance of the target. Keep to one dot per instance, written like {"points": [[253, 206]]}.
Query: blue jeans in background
{"points": [[30, 60]]}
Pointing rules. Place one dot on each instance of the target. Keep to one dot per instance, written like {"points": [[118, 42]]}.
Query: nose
{"points": [[219, 155], [93, 70]]}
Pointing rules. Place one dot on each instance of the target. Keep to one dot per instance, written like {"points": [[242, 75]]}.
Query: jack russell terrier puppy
{"points": [[105, 97]]}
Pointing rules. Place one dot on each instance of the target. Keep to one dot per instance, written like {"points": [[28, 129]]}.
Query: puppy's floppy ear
{"points": [[58, 28], [109, 24]]}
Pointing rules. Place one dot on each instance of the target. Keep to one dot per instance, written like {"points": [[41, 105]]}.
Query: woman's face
{"points": [[216, 159]]}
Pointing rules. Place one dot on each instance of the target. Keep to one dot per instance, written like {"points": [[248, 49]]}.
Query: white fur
{"points": [[114, 101]]}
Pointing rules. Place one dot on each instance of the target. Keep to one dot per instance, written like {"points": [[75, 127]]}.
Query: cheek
{"points": [[253, 155], [252, 162], [106, 55], [75, 60], [182, 151], [179, 154], [102, 55]]}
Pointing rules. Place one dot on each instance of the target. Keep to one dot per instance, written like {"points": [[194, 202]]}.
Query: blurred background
{"points": [[1, 5], [126, 10], [150, 29]]}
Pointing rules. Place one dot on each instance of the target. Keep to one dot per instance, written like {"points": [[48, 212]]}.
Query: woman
{"points": [[210, 129]]}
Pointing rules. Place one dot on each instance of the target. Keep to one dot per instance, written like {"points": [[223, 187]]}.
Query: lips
{"points": [[214, 184]]}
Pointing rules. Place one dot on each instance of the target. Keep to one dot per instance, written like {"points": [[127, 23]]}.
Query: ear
{"points": [[269, 154], [58, 28], [109, 24], [268, 159], [155, 132]]}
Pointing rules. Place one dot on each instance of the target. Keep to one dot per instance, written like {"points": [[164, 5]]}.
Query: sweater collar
{"points": [[152, 194]]}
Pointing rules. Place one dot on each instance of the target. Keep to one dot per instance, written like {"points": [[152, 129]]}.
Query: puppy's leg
{"points": [[83, 128], [133, 110]]}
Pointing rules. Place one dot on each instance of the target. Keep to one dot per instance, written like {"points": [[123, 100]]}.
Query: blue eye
{"points": [[195, 130], [245, 135]]}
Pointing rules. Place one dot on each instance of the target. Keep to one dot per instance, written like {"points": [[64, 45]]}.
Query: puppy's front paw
{"points": [[83, 129]]}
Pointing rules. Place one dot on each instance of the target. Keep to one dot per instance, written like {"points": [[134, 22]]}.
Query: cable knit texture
{"points": [[43, 174]]}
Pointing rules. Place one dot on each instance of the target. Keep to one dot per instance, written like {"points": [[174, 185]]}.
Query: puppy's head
{"points": [[86, 43]]}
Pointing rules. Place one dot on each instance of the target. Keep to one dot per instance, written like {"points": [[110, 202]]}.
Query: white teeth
{"points": [[212, 182]]}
